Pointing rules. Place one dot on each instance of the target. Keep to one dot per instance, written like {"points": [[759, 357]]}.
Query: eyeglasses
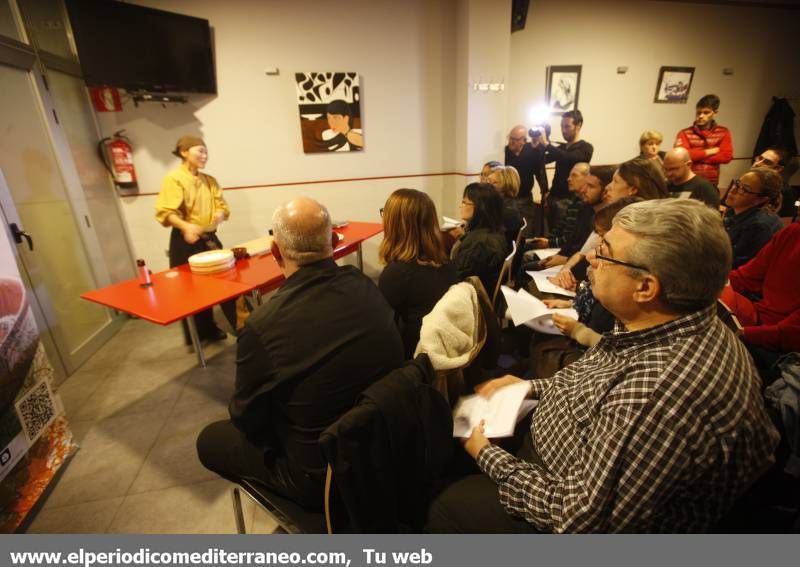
{"points": [[602, 258], [513, 139], [467, 204], [739, 187]]}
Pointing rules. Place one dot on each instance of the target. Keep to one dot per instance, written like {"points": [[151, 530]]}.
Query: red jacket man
{"points": [[708, 143]]}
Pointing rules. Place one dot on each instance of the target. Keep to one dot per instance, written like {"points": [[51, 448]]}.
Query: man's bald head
{"points": [[301, 229], [517, 138], [577, 175], [678, 166]]}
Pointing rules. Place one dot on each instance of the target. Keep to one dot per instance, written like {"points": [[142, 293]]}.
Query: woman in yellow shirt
{"points": [[191, 202]]}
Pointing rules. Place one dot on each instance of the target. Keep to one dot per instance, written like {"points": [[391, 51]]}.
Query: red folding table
{"points": [[178, 293]]}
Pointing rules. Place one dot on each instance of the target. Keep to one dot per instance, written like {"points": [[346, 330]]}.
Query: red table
{"points": [[178, 294]]}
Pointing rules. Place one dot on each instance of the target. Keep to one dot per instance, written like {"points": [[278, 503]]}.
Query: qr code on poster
{"points": [[36, 410]]}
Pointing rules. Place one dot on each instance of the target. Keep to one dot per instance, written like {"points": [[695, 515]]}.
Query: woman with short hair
{"points": [[650, 145], [505, 180], [417, 271]]}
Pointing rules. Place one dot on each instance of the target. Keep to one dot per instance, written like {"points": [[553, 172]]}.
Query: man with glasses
{"points": [[529, 163], [684, 183], [660, 427]]}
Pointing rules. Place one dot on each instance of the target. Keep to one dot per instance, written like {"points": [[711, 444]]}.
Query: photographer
{"points": [[566, 155], [529, 163]]}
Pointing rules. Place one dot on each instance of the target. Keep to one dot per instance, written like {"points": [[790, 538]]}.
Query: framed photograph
{"points": [[674, 84], [563, 86]]}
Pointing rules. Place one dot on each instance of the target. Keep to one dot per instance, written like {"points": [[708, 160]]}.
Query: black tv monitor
{"points": [[142, 49]]}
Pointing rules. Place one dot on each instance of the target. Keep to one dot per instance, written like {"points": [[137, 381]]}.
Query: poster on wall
{"points": [[34, 438], [563, 87], [673, 84], [330, 112]]}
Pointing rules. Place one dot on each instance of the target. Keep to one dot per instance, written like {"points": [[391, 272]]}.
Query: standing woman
{"points": [[192, 204], [417, 273], [480, 251], [650, 146]]}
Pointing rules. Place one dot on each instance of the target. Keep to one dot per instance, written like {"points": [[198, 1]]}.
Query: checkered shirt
{"points": [[658, 430]]}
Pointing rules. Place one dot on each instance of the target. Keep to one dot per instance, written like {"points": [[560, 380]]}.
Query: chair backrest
{"points": [[505, 272], [729, 319]]}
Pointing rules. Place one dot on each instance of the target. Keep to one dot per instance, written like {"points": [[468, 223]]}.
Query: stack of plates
{"points": [[211, 262]]}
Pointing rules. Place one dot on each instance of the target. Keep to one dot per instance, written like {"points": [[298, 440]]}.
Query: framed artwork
{"points": [[673, 84], [563, 86], [330, 112]]}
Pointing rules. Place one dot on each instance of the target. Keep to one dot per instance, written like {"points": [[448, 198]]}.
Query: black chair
{"points": [[290, 516]]}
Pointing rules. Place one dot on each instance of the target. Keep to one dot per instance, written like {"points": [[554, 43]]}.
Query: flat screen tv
{"points": [[142, 49]]}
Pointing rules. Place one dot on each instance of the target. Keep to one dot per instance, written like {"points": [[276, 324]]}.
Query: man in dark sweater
{"points": [[529, 163], [565, 155], [684, 183], [302, 360]]}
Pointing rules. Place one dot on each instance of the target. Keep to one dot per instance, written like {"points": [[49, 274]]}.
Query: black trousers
{"points": [[472, 503], [179, 252], [224, 449]]}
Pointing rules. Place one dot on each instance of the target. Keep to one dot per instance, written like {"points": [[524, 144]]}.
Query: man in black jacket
{"points": [[529, 163], [566, 155], [303, 358]]}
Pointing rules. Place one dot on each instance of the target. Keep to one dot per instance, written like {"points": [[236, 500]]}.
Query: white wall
{"points": [[417, 60], [759, 44], [400, 49]]}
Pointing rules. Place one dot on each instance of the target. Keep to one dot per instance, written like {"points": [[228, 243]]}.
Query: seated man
{"points": [[683, 182], [657, 428], [559, 234], [776, 159], [772, 321], [302, 360]]}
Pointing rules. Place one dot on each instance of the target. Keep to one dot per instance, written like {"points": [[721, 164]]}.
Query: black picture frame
{"points": [[563, 88], [673, 85]]}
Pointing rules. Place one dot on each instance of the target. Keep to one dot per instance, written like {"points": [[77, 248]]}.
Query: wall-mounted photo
{"points": [[563, 86], [674, 84], [330, 112]]}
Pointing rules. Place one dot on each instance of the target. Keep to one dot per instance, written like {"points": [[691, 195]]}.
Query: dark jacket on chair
{"points": [[388, 452]]}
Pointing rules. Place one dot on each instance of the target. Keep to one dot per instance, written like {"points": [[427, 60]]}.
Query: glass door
{"points": [[41, 186]]}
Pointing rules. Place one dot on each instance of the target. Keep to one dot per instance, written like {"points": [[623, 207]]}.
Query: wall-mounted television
{"points": [[142, 49]]}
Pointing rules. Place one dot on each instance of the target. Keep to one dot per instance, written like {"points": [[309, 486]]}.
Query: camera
{"points": [[535, 132]]}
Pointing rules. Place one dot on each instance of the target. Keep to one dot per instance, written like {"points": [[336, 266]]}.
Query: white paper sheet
{"points": [[546, 286], [546, 252], [500, 412], [525, 309]]}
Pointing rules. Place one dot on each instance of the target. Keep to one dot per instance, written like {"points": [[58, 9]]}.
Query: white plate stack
{"points": [[211, 262]]}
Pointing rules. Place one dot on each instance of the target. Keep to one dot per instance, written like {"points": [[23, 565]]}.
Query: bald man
{"points": [[685, 183], [302, 360], [529, 163]]}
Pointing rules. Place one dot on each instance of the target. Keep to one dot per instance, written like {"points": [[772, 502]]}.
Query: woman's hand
{"points": [[191, 232], [486, 389], [456, 232], [557, 303], [565, 279], [476, 441], [564, 324]]}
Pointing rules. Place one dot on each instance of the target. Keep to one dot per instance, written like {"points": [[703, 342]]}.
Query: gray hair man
{"points": [[559, 234], [302, 360], [660, 427], [685, 183]]}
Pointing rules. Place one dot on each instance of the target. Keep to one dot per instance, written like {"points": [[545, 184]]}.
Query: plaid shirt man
{"points": [[658, 430]]}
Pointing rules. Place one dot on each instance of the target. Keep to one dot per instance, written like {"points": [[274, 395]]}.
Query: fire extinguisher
{"points": [[117, 155]]}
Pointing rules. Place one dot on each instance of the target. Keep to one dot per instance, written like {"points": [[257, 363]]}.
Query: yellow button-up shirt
{"points": [[193, 198]]}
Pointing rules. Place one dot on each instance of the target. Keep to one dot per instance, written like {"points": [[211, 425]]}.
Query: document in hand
{"points": [[448, 223], [500, 412], [546, 286], [527, 310], [545, 253]]}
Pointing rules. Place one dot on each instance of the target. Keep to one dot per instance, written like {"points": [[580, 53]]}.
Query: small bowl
{"points": [[240, 252]]}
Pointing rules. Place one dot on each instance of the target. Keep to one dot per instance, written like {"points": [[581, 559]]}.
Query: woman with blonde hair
{"points": [[505, 180], [650, 145], [417, 271]]}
